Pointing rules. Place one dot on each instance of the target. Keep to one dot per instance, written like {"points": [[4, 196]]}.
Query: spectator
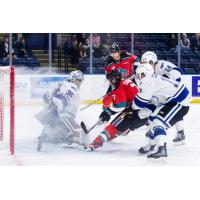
{"points": [[195, 42], [172, 42], [67, 46], [83, 43], [107, 41], [96, 39], [4, 49], [96, 46], [185, 42], [23, 48], [73, 50], [16, 38]]}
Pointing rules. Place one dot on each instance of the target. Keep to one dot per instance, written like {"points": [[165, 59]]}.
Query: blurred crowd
{"points": [[76, 46], [186, 43], [20, 49]]}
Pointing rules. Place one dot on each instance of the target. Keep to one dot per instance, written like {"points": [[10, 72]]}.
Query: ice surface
{"points": [[121, 151]]}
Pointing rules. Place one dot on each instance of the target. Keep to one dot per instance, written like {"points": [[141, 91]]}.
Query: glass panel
{"points": [[63, 53], [4, 49], [26, 51], [72, 52], [38, 44], [101, 43], [161, 43], [190, 52]]}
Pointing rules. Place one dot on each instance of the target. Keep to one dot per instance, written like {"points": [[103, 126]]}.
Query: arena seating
{"points": [[157, 42]]}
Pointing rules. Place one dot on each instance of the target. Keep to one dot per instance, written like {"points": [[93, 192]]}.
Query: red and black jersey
{"points": [[120, 98], [125, 64]]}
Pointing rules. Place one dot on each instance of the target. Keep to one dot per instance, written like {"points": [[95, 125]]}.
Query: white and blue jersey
{"points": [[68, 93], [168, 70], [156, 91]]}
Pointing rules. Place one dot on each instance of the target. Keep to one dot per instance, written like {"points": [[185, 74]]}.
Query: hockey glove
{"points": [[104, 116], [58, 104], [47, 97]]}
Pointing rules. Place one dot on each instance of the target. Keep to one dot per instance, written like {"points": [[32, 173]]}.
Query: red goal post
{"points": [[7, 105]]}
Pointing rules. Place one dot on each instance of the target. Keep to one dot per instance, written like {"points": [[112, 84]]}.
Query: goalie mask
{"points": [[76, 77], [114, 77]]}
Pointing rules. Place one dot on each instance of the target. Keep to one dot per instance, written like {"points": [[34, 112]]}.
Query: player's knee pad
{"points": [[150, 137], [109, 132], [159, 134], [149, 134]]}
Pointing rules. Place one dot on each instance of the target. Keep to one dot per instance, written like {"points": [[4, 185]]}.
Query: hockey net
{"points": [[7, 105]]}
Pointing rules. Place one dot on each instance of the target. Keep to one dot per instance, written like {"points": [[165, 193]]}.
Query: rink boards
{"points": [[30, 88]]}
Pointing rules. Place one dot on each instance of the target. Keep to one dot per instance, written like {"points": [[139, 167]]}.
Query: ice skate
{"points": [[146, 149], [179, 139], [162, 152]]}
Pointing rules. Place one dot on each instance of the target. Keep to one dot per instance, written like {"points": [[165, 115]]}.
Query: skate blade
{"points": [[161, 160], [143, 154], [179, 143]]}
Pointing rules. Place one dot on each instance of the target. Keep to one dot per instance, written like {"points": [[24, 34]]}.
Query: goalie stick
{"points": [[95, 101], [86, 131]]}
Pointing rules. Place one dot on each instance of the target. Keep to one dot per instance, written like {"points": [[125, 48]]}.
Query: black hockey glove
{"points": [[104, 116]]}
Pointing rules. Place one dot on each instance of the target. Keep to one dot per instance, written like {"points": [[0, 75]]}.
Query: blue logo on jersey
{"points": [[196, 86], [39, 85]]}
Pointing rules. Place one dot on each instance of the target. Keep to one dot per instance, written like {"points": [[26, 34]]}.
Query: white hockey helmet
{"points": [[144, 69], [149, 57], [76, 77]]}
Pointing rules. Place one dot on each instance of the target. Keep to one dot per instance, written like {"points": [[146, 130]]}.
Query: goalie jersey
{"points": [[68, 93], [157, 90], [168, 70]]}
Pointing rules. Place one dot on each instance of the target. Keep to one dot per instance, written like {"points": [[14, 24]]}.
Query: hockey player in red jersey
{"points": [[117, 101], [124, 61]]}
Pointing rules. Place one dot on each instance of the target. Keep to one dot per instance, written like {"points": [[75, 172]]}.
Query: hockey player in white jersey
{"points": [[171, 71], [168, 99], [58, 115]]}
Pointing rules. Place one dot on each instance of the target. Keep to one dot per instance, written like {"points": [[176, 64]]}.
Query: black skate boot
{"points": [[162, 152], [180, 138], [146, 149]]}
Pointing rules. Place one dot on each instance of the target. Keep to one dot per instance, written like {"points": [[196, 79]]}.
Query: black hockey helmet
{"points": [[114, 76], [114, 48]]}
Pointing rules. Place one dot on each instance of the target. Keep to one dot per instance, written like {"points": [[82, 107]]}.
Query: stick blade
{"points": [[84, 128]]}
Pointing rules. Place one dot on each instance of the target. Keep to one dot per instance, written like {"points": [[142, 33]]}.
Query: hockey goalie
{"points": [[59, 112]]}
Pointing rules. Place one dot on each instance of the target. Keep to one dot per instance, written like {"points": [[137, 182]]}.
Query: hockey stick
{"points": [[95, 101], [86, 131]]}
